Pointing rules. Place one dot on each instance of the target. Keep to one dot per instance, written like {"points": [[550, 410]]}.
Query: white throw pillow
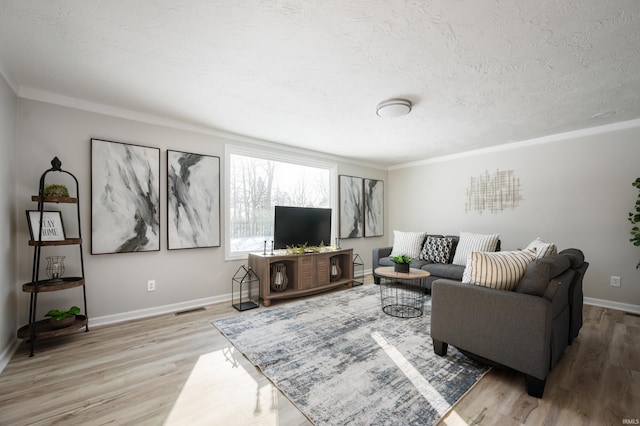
{"points": [[470, 242], [407, 243], [542, 248], [501, 270]]}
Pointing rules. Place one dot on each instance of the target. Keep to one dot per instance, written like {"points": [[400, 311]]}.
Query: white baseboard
{"points": [[157, 310], [8, 352], [625, 307]]}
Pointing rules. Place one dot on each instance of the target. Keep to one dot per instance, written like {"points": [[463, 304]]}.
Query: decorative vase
{"points": [[401, 267], [279, 278], [64, 322], [55, 268]]}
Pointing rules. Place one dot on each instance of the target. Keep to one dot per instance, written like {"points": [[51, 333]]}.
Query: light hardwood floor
{"points": [[179, 370]]}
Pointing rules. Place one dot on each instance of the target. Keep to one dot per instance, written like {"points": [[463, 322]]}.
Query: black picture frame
{"points": [[125, 197], [193, 200], [53, 229], [373, 208], [351, 207]]}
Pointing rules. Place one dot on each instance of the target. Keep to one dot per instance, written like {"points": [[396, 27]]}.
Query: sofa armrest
{"points": [[512, 329], [377, 253]]}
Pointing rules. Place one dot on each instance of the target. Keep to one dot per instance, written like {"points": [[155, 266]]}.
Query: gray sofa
{"points": [[380, 257], [526, 329]]}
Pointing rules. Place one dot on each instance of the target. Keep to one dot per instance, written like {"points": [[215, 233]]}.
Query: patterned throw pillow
{"points": [[542, 248], [437, 249], [407, 243], [470, 242], [501, 270]]}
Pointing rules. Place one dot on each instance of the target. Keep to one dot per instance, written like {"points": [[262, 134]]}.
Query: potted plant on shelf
{"points": [[56, 190], [61, 319], [401, 263]]}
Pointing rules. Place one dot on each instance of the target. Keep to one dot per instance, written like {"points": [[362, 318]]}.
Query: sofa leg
{"points": [[535, 386], [376, 280], [440, 348]]}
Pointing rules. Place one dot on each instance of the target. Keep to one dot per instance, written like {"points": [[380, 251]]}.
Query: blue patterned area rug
{"points": [[341, 360]]}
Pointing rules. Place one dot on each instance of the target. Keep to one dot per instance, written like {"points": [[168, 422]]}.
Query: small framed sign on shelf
{"points": [[52, 228]]}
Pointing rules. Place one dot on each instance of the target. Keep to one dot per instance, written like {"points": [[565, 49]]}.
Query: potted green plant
{"points": [[56, 190], [634, 218], [61, 319], [401, 263]]}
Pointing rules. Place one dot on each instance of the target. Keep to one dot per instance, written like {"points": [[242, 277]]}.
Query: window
{"points": [[257, 181]]}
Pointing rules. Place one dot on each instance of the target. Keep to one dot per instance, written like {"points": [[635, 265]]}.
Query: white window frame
{"points": [[267, 154]]}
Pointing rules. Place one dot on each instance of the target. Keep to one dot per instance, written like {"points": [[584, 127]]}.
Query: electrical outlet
{"points": [[151, 285], [615, 281]]}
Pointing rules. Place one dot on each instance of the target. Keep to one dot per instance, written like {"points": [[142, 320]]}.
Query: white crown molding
{"points": [[590, 131], [625, 307], [67, 101]]}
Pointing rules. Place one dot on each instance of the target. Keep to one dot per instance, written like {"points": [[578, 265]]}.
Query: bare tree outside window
{"points": [[257, 185]]}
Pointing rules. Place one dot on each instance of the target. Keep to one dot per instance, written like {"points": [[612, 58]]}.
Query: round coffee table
{"points": [[402, 293]]}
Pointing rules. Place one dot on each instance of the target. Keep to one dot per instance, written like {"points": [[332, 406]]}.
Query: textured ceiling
{"points": [[310, 73]]}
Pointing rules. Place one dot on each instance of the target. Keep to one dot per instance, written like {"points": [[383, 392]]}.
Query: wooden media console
{"points": [[305, 273]]}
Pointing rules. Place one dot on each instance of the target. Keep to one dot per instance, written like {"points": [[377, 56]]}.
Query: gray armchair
{"points": [[516, 329]]}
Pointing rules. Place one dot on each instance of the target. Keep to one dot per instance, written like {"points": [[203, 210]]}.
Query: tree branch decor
{"points": [[634, 218]]}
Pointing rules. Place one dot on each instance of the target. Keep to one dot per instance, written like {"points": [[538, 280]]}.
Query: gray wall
{"points": [[116, 283], [576, 192], [8, 287]]}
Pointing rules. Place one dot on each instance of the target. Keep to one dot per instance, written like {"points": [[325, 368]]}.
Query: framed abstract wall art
{"points": [[373, 208], [351, 208], [193, 200], [125, 197]]}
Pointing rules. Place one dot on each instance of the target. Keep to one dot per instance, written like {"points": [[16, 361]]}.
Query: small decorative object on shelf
{"points": [[55, 268], [245, 291], [62, 319], [55, 190], [279, 278], [336, 271], [358, 270]]}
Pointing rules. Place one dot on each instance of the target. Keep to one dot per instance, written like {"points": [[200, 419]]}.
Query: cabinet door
{"points": [[306, 272], [323, 270]]}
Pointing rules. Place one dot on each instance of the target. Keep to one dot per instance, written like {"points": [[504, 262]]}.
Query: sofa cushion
{"points": [[535, 279], [437, 249], [541, 248], [470, 242], [452, 272], [558, 263], [407, 243], [500, 270]]}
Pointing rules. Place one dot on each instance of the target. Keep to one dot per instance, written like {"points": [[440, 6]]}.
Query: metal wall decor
{"points": [[493, 192], [351, 207], [373, 208], [125, 197], [193, 200]]}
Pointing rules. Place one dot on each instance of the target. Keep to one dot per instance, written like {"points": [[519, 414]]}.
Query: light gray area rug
{"points": [[341, 360]]}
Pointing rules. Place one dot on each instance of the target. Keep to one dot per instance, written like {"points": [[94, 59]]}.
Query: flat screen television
{"points": [[295, 226]]}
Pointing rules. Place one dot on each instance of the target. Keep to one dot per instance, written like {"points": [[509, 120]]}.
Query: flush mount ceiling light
{"points": [[395, 107]]}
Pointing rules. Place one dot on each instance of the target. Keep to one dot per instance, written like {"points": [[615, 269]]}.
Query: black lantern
{"points": [[245, 292]]}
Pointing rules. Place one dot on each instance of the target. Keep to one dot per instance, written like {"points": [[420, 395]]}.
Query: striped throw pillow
{"points": [[501, 270], [542, 248], [407, 243], [470, 242]]}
